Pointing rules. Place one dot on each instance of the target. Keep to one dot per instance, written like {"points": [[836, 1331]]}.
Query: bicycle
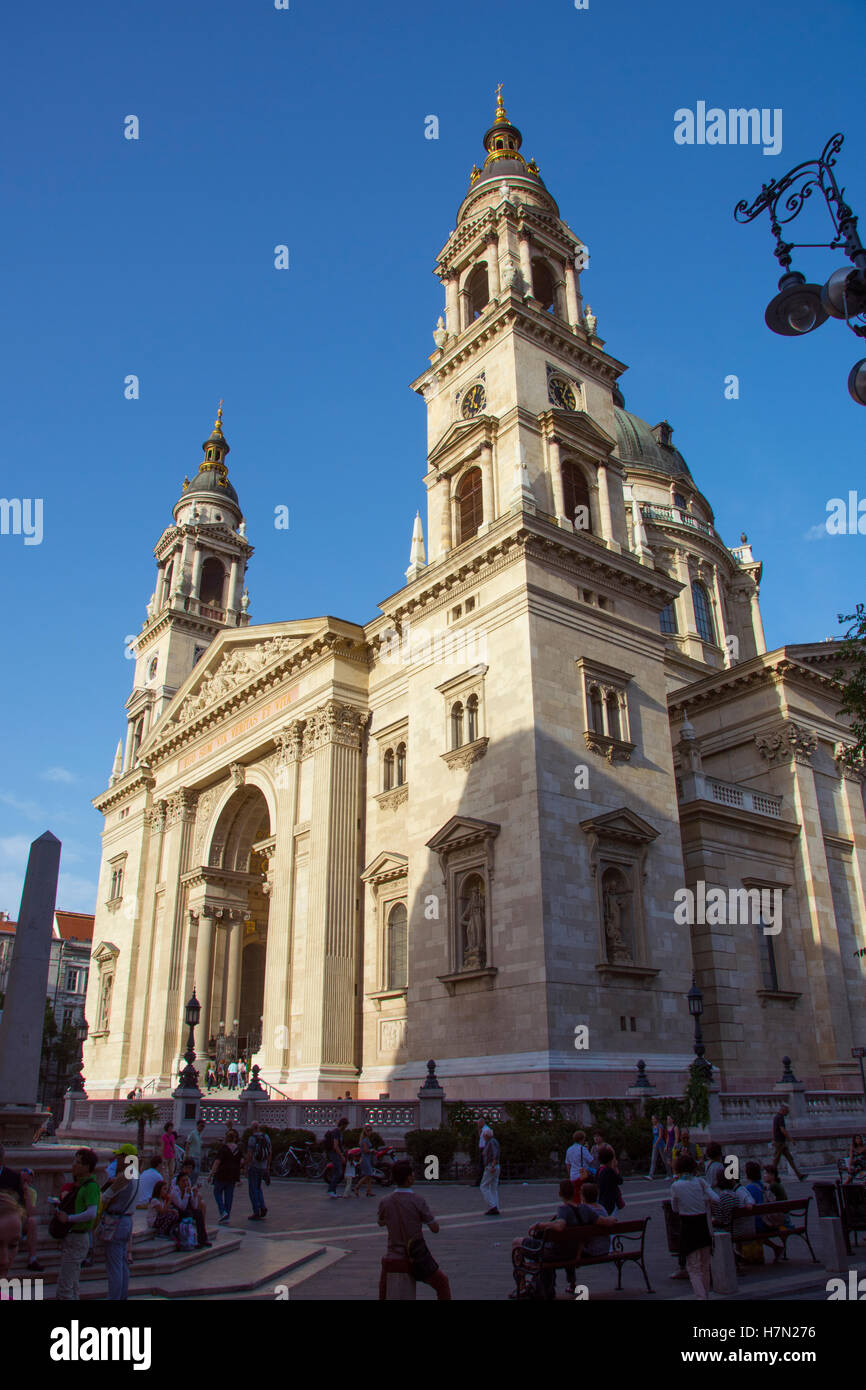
{"points": [[300, 1161]]}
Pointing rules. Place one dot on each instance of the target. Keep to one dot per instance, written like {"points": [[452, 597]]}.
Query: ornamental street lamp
{"points": [[860, 1053], [800, 307], [189, 1075], [81, 1031], [696, 1008]]}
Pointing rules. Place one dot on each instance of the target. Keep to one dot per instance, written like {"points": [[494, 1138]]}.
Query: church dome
{"points": [[212, 477], [647, 445], [214, 481], [504, 162]]}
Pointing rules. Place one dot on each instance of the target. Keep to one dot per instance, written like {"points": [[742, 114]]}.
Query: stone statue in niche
{"points": [[472, 925], [617, 908]]}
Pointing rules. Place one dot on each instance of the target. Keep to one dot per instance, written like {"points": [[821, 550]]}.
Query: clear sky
{"points": [[306, 127]]}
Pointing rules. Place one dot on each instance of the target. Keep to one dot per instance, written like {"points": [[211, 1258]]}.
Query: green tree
{"points": [[59, 1054], [851, 683], [141, 1113]]}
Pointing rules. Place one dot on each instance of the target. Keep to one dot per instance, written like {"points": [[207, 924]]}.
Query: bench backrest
{"points": [[575, 1236]]}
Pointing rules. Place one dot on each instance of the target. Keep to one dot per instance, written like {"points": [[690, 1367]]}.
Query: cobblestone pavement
{"points": [[475, 1250]]}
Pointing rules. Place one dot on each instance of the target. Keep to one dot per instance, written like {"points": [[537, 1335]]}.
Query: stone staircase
{"points": [[239, 1264]]}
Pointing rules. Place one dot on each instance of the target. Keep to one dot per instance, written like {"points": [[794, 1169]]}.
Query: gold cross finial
{"points": [[501, 113], [218, 422]]}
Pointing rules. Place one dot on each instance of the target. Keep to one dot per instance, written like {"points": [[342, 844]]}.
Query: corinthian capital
{"points": [[333, 722], [791, 742]]}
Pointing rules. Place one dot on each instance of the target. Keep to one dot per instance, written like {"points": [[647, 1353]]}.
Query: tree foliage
{"points": [[851, 684]]}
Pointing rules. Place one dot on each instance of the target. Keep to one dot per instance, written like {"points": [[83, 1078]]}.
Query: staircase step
{"points": [[254, 1271]]}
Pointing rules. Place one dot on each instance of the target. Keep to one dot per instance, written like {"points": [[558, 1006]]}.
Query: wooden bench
{"points": [[562, 1249], [797, 1209]]}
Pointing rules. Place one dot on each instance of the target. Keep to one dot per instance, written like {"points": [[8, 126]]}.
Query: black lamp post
{"points": [[77, 1082], [696, 1008], [189, 1075], [800, 307]]}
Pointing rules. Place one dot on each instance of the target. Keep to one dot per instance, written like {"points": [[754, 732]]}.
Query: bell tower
{"points": [[519, 392], [201, 565]]}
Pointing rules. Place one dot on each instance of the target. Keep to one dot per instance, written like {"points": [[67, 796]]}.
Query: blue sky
{"points": [[306, 127]]}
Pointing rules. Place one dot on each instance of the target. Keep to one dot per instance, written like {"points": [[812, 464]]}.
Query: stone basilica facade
{"points": [[458, 831]]}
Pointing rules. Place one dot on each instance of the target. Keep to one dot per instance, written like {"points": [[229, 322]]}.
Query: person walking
{"points": [[242, 1074], [258, 1168], [405, 1215], [658, 1144], [335, 1155], [484, 1131], [609, 1180], [671, 1134], [169, 1150], [193, 1148], [490, 1181], [115, 1226], [782, 1143], [365, 1165], [579, 1162], [692, 1199], [225, 1174], [232, 1075], [84, 1205]]}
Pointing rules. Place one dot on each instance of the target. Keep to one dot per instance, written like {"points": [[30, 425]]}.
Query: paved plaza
{"points": [[474, 1250]]}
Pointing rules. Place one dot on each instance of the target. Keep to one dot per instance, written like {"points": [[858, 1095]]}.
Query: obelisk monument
{"points": [[26, 991]]}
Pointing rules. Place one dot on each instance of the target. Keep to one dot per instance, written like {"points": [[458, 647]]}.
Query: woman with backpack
{"points": [[226, 1174]]}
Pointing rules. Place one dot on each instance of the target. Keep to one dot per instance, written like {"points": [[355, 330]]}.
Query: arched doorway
{"points": [[239, 854]]}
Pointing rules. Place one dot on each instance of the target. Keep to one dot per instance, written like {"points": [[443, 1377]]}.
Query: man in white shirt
{"points": [[578, 1157], [233, 1075]]}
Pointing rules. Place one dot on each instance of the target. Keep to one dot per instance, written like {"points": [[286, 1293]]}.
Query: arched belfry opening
{"points": [[234, 903]]}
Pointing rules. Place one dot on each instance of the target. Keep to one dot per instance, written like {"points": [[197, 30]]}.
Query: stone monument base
{"points": [[19, 1123]]}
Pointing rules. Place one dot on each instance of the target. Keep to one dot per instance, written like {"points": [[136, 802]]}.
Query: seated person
{"points": [[149, 1181], [186, 1199], [162, 1216], [566, 1215], [715, 1166], [856, 1160], [592, 1213]]}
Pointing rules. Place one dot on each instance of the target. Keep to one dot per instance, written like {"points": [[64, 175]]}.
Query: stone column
{"points": [[493, 285], [276, 1011], [452, 308], [233, 976], [203, 973], [127, 753], [572, 296], [788, 750], [604, 508], [684, 599], [335, 733], [445, 533], [757, 624], [179, 824], [554, 463], [854, 821], [197, 562], [525, 261], [26, 991], [233, 597], [721, 616], [487, 485]]}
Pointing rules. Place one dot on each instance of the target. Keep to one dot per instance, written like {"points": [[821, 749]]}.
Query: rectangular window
{"points": [[75, 981], [767, 959], [668, 618]]}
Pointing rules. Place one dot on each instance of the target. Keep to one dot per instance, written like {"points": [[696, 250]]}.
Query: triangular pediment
{"points": [[458, 435], [461, 830], [622, 824], [386, 866], [576, 427], [106, 950], [234, 659]]}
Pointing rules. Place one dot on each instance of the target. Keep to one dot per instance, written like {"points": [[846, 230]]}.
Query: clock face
{"points": [[562, 394], [474, 401]]}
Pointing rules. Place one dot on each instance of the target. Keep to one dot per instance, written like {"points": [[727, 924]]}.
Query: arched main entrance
{"points": [[235, 900]]}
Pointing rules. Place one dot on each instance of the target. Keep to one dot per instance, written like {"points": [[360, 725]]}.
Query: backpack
{"points": [[59, 1230], [261, 1148], [186, 1238]]}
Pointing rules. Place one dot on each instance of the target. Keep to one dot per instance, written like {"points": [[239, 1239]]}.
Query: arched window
{"points": [[575, 492], [477, 291], [401, 764], [168, 572], [703, 614], [680, 501], [472, 718], [544, 286], [397, 962], [457, 725], [612, 702], [389, 769], [212, 582], [470, 504], [596, 710], [668, 618]]}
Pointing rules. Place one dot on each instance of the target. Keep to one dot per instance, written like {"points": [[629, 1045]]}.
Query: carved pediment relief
{"points": [[231, 669], [620, 825], [385, 868]]}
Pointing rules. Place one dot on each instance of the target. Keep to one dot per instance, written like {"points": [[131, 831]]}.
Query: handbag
{"points": [[59, 1230]]}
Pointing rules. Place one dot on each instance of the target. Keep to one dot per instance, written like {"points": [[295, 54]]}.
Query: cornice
{"points": [[130, 784], [770, 668]]}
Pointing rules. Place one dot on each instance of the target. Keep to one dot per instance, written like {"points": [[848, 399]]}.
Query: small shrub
{"points": [[419, 1143]]}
